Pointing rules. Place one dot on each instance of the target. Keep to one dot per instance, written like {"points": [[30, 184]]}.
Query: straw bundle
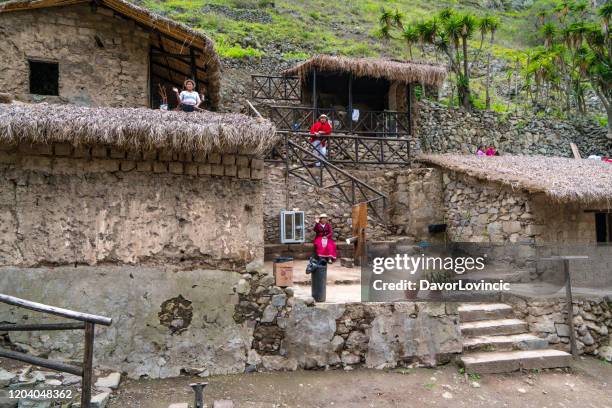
{"points": [[406, 72], [561, 179], [135, 128]]}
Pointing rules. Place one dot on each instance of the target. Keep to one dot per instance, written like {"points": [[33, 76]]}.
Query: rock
{"points": [[179, 405], [100, 400], [357, 341], [447, 395], [71, 379], [587, 339], [279, 300], [256, 266], [243, 287], [52, 382], [25, 403], [269, 314], [563, 330], [253, 358], [110, 381], [605, 353], [337, 343], [350, 358], [521, 390], [223, 404], [6, 378], [309, 301], [279, 363], [475, 384]]}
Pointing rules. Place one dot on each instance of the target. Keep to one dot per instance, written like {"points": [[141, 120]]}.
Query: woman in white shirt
{"points": [[189, 99]]}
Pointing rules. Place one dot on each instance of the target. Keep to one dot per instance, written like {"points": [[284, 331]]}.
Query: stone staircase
{"points": [[495, 342]]}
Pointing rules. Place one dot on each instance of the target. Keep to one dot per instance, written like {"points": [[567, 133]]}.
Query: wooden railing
{"points": [[370, 123], [347, 149], [85, 322], [276, 87], [306, 164]]}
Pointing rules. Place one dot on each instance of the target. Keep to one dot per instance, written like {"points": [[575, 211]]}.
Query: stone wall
{"points": [[547, 318], [478, 211], [61, 205], [444, 130], [416, 202], [281, 193], [103, 59], [291, 333]]}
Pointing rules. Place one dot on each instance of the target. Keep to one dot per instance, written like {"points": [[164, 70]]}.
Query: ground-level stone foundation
{"points": [[291, 333], [165, 321]]}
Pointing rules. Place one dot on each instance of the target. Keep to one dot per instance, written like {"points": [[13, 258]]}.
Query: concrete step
{"points": [[524, 341], [498, 327], [508, 361], [472, 312]]}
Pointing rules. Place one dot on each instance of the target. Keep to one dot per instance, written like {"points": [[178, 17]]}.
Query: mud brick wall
{"points": [[103, 59], [65, 205]]}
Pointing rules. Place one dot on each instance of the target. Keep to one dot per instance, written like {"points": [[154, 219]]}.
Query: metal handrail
{"points": [[88, 325]]}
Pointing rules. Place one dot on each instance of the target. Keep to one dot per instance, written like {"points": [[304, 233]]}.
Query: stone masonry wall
{"points": [[444, 130], [61, 205], [282, 194], [103, 59], [291, 333], [547, 318]]}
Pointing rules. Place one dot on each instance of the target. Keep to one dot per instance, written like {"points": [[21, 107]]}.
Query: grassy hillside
{"points": [[294, 29]]}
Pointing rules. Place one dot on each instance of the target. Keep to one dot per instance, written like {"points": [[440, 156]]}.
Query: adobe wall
{"points": [[153, 240], [103, 59], [62, 205]]}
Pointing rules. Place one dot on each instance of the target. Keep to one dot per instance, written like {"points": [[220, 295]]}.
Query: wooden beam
{"points": [[314, 91]]}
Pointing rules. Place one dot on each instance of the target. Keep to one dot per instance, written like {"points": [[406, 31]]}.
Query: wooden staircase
{"points": [[495, 342]]}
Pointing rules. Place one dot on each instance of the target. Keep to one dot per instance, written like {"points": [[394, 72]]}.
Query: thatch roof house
{"points": [[561, 179], [136, 129], [108, 52], [370, 96], [401, 71], [525, 198]]}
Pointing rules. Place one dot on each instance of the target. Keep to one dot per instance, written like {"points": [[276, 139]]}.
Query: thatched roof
{"points": [[135, 128], [167, 34], [561, 179], [406, 72]]}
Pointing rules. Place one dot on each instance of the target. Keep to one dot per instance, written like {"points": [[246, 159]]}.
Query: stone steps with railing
{"points": [[495, 342]]}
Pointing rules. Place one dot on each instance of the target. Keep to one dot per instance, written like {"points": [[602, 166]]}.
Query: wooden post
{"points": [[314, 93], [194, 68], [350, 101], [570, 307], [360, 222], [409, 107], [87, 365]]}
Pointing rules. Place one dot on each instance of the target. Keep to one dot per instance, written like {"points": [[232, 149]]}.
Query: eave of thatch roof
{"points": [[561, 179], [208, 60], [406, 72], [135, 129]]}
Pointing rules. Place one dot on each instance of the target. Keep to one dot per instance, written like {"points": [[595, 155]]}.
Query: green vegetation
{"points": [[542, 58]]}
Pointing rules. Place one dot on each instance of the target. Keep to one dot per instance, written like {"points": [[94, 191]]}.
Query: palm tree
{"points": [[467, 24], [489, 25], [411, 36], [548, 30]]}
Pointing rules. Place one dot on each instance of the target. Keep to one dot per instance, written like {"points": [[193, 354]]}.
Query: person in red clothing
{"points": [[319, 129]]}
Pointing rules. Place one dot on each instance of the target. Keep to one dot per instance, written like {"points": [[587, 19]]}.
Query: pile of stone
{"points": [[29, 379]]}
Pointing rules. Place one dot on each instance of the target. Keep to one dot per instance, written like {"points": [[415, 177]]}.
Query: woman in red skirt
{"points": [[325, 246]]}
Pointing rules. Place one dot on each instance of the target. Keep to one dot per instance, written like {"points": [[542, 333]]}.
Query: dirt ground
{"points": [[587, 385]]}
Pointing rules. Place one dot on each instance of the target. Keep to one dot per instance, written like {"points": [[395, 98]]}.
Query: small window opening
{"points": [[44, 78], [603, 227], [292, 227]]}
